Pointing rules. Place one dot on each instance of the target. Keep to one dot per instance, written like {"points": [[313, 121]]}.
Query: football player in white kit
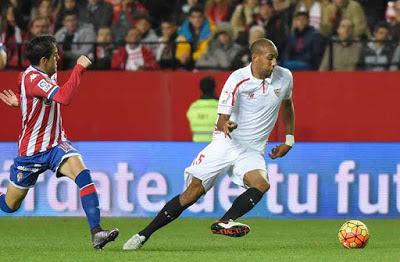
{"points": [[248, 109]]}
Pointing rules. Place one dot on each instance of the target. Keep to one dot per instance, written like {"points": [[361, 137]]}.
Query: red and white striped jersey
{"points": [[41, 116]]}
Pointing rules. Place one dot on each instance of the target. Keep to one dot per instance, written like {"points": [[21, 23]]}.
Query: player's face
{"points": [[266, 61], [51, 64]]}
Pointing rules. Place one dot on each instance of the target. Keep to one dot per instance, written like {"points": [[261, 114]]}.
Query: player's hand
{"points": [[279, 151], [84, 61], [229, 126], [9, 98]]}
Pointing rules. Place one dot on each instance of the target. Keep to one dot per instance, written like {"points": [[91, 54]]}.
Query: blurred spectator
{"points": [[314, 10], [12, 36], [104, 48], [395, 26], [377, 54], [304, 48], [374, 11], [285, 9], [182, 10], [242, 18], [275, 28], [339, 9], [24, 10], [395, 63], [197, 31], [96, 12], [222, 50], [203, 112], [346, 49], [73, 36], [64, 6], [39, 26], [160, 10], [3, 57], [43, 8], [133, 56], [125, 17], [243, 58], [217, 10], [148, 36], [167, 47]]}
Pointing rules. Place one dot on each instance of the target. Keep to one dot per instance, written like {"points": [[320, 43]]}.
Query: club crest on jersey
{"points": [[33, 76], [20, 176], [251, 96], [277, 92], [44, 85]]}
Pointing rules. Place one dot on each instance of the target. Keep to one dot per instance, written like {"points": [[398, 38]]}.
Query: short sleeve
{"points": [[289, 89], [39, 86], [229, 95]]}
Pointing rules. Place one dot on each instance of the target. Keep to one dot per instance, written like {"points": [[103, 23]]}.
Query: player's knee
{"points": [[262, 185], [192, 193], [72, 167]]}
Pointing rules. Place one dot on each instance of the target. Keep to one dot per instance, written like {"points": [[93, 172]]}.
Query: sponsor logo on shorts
{"points": [[28, 169]]}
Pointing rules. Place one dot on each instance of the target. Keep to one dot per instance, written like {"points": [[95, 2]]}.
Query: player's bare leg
{"points": [[11, 201], [168, 213], [75, 169], [256, 180]]}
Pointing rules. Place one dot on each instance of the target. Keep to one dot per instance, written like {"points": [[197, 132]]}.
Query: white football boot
{"points": [[134, 243]]}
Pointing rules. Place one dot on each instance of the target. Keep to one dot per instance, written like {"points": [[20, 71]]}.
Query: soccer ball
{"points": [[353, 234]]}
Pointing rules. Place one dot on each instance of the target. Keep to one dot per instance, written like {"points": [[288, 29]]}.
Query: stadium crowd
{"points": [[205, 34]]}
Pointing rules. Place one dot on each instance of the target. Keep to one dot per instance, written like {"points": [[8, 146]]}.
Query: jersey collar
{"points": [[252, 78], [40, 71]]}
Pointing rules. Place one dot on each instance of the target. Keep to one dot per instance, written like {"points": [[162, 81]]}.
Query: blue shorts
{"points": [[26, 169]]}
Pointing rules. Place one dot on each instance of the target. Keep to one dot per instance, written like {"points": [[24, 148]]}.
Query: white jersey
{"points": [[254, 104]]}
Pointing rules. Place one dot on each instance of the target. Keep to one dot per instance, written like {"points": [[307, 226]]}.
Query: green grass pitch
{"points": [[68, 239]]}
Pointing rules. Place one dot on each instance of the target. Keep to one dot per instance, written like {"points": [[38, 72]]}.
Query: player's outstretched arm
{"points": [[289, 120], [226, 125], [9, 98], [65, 93]]}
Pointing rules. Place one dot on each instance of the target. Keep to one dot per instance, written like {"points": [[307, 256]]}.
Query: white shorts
{"points": [[223, 156]]}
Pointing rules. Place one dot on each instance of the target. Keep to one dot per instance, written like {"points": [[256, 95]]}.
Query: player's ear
{"points": [[43, 61], [253, 57]]}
